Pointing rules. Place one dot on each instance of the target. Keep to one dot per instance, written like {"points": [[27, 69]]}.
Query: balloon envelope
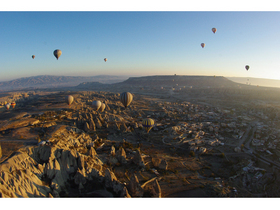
{"points": [[69, 99], [202, 45], [57, 53], [214, 30], [7, 106], [13, 104], [148, 124], [102, 107], [33, 56], [247, 67], [96, 105], [126, 98], [105, 59]]}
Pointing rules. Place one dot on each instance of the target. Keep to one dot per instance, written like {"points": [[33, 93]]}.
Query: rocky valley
{"points": [[211, 138]]}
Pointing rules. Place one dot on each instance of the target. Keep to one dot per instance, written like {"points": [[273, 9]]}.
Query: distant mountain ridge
{"points": [[102, 81], [49, 81], [195, 81]]}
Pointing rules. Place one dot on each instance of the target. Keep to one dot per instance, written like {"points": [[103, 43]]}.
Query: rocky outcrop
{"points": [[138, 159], [98, 124], [121, 156], [92, 153], [160, 163], [50, 170], [153, 188], [86, 127], [19, 177], [111, 182], [134, 188], [163, 165], [112, 152], [92, 125]]}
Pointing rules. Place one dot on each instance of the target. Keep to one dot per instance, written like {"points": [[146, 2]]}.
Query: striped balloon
{"points": [[126, 98], [148, 124]]}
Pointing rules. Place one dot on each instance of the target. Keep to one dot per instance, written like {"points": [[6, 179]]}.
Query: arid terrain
{"points": [[212, 138]]}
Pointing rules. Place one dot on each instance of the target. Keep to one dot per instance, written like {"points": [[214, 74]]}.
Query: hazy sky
{"points": [[139, 43]]}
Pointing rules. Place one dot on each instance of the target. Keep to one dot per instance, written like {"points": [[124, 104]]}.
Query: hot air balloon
{"points": [[102, 107], [57, 53], [33, 56], [105, 59], [202, 45], [7, 106], [96, 105], [126, 98], [148, 124], [214, 30], [69, 99], [247, 67], [13, 104]]}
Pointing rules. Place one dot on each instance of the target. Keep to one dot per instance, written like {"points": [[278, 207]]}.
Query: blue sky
{"points": [[139, 43]]}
